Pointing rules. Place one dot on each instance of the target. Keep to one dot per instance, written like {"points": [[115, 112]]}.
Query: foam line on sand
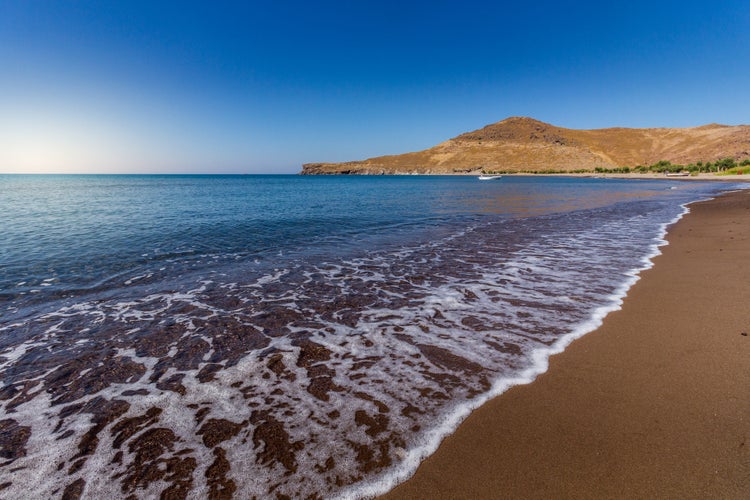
{"points": [[653, 404]]}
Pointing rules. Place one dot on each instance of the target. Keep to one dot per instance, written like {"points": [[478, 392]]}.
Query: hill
{"points": [[520, 144]]}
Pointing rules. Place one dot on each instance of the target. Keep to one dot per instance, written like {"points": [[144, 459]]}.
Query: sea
{"points": [[283, 336]]}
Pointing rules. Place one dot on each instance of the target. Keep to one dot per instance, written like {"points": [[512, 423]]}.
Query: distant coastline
{"points": [[526, 145], [723, 177]]}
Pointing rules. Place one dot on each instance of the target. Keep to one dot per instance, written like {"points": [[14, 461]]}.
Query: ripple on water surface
{"points": [[308, 379]]}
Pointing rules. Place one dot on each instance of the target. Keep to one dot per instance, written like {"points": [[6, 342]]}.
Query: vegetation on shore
{"points": [[725, 166]]}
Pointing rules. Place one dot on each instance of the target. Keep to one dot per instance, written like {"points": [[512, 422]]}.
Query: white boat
{"points": [[489, 177]]}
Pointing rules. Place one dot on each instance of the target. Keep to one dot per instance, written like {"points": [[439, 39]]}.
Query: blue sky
{"points": [[264, 86]]}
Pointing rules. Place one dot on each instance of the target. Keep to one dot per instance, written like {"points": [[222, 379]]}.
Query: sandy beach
{"points": [[704, 176], [653, 404]]}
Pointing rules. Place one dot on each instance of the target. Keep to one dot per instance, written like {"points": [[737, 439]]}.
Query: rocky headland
{"points": [[521, 144]]}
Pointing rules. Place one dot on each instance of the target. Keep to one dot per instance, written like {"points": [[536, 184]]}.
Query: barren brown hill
{"points": [[523, 144]]}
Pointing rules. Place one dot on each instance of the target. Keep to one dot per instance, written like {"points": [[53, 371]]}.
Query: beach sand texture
{"points": [[653, 404]]}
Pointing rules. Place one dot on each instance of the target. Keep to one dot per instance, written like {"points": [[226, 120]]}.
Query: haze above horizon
{"points": [[262, 87]]}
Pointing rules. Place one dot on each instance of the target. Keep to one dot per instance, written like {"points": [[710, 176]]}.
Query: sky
{"points": [[265, 86]]}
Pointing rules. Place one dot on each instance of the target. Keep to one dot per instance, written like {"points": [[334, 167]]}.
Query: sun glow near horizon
{"points": [[77, 138], [56, 136]]}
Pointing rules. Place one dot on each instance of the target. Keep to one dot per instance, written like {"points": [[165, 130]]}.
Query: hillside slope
{"points": [[521, 144]]}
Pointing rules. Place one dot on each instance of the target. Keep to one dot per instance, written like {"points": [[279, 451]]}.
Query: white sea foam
{"points": [[403, 345], [540, 356]]}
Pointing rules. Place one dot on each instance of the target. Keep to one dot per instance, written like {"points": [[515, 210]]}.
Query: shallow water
{"points": [[284, 335]]}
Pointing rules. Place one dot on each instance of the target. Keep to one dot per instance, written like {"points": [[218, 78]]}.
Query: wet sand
{"points": [[654, 404]]}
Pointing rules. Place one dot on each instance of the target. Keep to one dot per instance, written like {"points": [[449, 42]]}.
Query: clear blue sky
{"points": [[264, 86]]}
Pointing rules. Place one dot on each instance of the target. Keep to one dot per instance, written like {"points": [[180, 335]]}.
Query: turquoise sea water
{"points": [[263, 335]]}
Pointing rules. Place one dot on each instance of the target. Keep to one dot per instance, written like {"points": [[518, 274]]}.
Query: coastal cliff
{"points": [[520, 144]]}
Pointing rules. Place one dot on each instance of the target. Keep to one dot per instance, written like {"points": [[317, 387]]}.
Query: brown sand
{"points": [[654, 404]]}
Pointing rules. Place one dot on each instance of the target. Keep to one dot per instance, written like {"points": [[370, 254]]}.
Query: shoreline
{"points": [[653, 177], [592, 426], [584, 175]]}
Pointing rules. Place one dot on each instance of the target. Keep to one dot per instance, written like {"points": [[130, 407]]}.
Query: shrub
{"points": [[726, 163]]}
